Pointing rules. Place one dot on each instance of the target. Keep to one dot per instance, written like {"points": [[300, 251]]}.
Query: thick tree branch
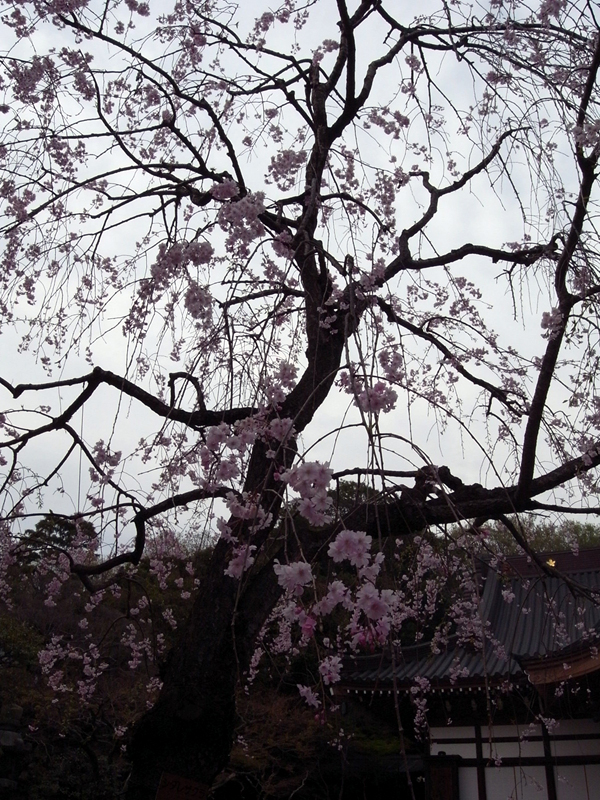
{"points": [[194, 419], [452, 358], [566, 301]]}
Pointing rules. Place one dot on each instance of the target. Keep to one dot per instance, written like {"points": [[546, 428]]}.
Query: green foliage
{"points": [[543, 537], [77, 748], [349, 494], [52, 534], [19, 642]]}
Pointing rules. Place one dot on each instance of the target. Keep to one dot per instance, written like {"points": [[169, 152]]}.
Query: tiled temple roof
{"points": [[545, 621]]}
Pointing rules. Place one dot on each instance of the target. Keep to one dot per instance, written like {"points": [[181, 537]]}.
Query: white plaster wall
{"points": [[578, 783], [514, 783], [467, 783], [438, 743], [577, 747]]}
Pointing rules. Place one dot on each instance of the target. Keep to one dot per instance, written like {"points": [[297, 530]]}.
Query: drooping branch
{"points": [[566, 301], [198, 102], [495, 391], [194, 419], [142, 516]]}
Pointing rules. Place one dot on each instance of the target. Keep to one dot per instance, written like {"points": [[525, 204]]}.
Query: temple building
{"points": [[515, 716]]}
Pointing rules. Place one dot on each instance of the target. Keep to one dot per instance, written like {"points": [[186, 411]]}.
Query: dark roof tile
{"points": [[544, 618]]}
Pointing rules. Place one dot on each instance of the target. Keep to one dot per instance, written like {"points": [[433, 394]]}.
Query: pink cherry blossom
{"points": [[369, 600], [281, 429], [330, 669], [353, 546], [224, 190], [217, 435], [309, 696], [293, 577], [241, 560], [228, 469], [378, 398], [311, 480], [307, 626]]}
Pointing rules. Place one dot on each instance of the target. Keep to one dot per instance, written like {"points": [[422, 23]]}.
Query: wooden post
{"points": [[443, 777]]}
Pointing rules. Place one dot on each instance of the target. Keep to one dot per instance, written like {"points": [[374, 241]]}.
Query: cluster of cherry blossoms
{"points": [[588, 135], [242, 507], [241, 560], [282, 245], [284, 168], [224, 190], [365, 604], [380, 397], [7, 559], [326, 46], [105, 463], [171, 260], [198, 303], [277, 385], [172, 264], [293, 577], [390, 360], [311, 481], [240, 219], [352, 546], [226, 446], [138, 629], [368, 616], [552, 322]]}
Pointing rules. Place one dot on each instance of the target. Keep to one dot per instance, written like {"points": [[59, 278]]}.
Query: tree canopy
{"points": [[250, 250]]}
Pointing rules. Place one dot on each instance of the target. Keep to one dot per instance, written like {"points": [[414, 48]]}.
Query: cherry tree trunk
{"points": [[189, 732]]}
